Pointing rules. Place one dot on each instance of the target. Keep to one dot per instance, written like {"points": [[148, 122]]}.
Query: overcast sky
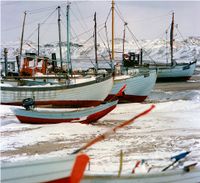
{"points": [[146, 19]]}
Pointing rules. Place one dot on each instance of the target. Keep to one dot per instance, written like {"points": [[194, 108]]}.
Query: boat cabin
{"points": [[32, 65], [132, 59]]}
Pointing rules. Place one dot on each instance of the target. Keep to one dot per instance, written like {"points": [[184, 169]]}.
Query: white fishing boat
{"points": [[84, 94], [178, 72], [139, 83], [138, 86], [175, 71]]}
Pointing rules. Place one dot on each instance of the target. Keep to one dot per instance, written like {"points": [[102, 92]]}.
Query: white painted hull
{"points": [[137, 87], [84, 94], [44, 116], [46, 170], [36, 171], [173, 176]]}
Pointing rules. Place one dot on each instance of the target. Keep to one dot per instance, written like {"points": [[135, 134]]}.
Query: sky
{"points": [[146, 19]]}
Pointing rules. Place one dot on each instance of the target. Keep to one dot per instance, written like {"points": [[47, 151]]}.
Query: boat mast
{"points": [[38, 40], [172, 39], [113, 56], [124, 36], [166, 45], [59, 34], [22, 39], [95, 41], [69, 63]]}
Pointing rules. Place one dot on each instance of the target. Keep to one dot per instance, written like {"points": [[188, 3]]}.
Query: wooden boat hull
{"points": [[179, 72], [137, 87], [86, 94], [175, 176], [86, 116]]}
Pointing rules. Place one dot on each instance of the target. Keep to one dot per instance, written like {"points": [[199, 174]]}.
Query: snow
{"points": [[154, 51], [171, 128]]}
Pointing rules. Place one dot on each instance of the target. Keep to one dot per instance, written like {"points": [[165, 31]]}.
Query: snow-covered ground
{"points": [[172, 127]]}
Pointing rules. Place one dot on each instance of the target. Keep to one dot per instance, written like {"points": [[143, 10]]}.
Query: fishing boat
{"points": [[69, 169], [46, 116], [175, 71], [85, 94], [178, 72], [88, 92], [139, 82], [138, 86]]}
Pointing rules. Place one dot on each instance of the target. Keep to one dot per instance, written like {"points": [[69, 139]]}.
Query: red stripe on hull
{"points": [[98, 115], [32, 120], [58, 103], [173, 79], [91, 118], [63, 180], [128, 98]]}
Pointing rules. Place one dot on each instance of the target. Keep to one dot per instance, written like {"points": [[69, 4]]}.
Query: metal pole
{"points": [[113, 31], [95, 41], [172, 39], [22, 36], [124, 37], [59, 34], [69, 63], [6, 61], [21, 43], [38, 40]]}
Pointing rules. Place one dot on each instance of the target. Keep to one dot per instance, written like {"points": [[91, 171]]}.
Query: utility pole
{"points": [[59, 34]]}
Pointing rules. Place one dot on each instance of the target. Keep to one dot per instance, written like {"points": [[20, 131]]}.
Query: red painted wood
{"points": [[98, 115], [68, 103], [31, 120], [128, 98], [77, 170]]}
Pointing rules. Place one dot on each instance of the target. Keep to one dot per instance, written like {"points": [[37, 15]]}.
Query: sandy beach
{"points": [[171, 128], [192, 84]]}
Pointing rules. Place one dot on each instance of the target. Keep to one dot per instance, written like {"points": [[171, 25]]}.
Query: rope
{"points": [[41, 24], [109, 51], [133, 36]]}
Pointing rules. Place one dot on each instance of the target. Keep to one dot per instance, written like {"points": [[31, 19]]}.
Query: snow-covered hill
{"points": [[154, 50]]}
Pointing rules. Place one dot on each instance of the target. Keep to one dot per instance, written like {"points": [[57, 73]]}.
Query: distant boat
{"points": [[46, 116], [86, 94], [175, 71], [178, 72]]}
